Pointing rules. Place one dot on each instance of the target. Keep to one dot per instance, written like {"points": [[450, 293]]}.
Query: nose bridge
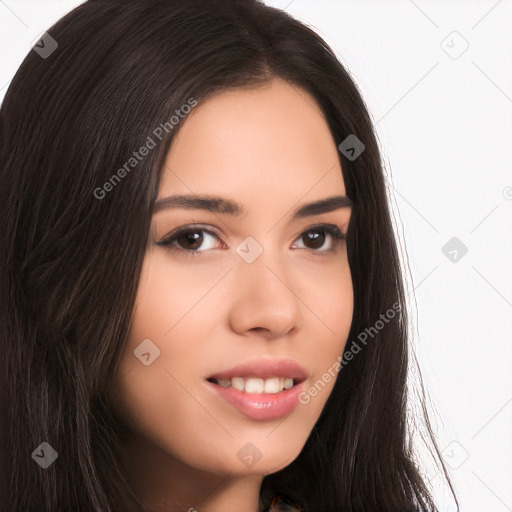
{"points": [[260, 261]]}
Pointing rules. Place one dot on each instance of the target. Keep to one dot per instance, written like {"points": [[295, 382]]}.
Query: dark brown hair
{"points": [[70, 262]]}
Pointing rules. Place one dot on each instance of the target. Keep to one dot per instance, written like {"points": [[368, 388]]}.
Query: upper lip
{"points": [[265, 368]]}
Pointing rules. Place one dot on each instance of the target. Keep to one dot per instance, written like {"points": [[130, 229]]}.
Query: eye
{"points": [[316, 236], [189, 239]]}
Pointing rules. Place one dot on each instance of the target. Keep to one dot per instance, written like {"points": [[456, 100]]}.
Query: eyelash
{"points": [[168, 240]]}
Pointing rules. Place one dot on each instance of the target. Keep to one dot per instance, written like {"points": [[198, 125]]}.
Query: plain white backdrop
{"points": [[437, 79]]}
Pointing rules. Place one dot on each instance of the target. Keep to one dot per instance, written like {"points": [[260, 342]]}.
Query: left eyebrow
{"points": [[329, 204], [227, 206]]}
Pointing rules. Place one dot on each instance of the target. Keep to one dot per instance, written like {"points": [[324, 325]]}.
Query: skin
{"points": [[270, 149]]}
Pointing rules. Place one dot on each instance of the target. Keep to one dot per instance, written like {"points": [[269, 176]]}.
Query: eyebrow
{"points": [[227, 206]]}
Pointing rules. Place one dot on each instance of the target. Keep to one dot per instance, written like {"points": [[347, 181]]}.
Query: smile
{"points": [[261, 390], [255, 384]]}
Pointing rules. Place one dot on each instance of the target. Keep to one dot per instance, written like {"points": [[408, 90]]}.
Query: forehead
{"points": [[268, 141]]}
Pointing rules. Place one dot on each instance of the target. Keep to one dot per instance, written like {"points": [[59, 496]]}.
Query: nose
{"points": [[263, 300]]}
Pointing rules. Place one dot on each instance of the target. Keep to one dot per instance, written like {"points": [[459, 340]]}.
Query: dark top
{"points": [[282, 504]]}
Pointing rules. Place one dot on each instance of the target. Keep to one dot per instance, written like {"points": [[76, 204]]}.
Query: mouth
{"points": [[257, 385], [261, 376], [261, 390]]}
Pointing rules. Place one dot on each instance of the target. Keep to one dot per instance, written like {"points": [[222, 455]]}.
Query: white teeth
{"points": [[253, 385], [272, 385], [256, 384]]}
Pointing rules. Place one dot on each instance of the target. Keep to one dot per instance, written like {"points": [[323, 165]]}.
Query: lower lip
{"points": [[261, 406]]}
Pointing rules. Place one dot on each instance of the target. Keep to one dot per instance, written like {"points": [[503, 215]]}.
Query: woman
{"points": [[203, 305]]}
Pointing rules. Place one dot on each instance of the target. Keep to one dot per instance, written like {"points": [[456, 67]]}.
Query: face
{"points": [[266, 289]]}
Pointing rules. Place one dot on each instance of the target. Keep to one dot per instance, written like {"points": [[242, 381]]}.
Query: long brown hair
{"points": [[70, 260]]}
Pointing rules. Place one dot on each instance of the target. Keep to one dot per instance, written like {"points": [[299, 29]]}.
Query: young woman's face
{"points": [[240, 289]]}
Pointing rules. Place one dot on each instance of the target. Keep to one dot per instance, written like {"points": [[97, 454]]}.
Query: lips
{"points": [[255, 405]]}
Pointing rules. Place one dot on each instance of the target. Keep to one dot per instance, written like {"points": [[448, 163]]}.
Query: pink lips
{"points": [[262, 406]]}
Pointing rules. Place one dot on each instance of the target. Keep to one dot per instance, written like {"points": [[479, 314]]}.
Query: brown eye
{"points": [[315, 237], [190, 240]]}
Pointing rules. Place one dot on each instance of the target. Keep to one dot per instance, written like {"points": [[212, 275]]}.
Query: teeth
{"points": [[272, 385], [257, 385], [253, 385], [225, 383], [237, 383]]}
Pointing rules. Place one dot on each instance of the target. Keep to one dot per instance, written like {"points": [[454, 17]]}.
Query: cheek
{"points": [[337, 299], [328, 307], [325, 337], [165, 341], [161, 401], [172, 292]]}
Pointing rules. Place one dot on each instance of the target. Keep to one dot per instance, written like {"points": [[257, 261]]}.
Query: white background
{"points": [[443, 118]]}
